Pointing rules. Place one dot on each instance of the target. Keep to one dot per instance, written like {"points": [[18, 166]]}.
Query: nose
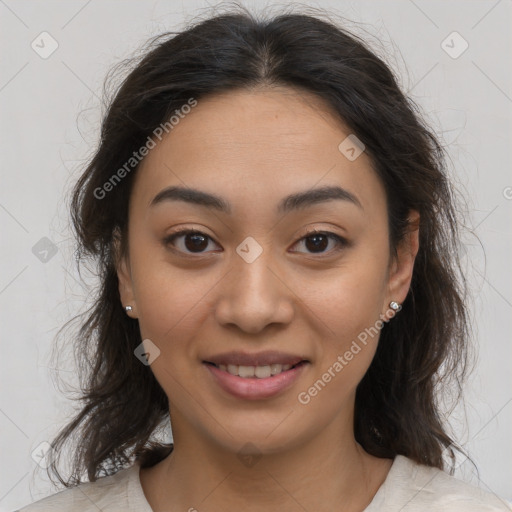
{"points": [[254, 295]]}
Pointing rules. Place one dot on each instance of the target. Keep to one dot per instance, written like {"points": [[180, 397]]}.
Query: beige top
{"points": [[409, 487]]}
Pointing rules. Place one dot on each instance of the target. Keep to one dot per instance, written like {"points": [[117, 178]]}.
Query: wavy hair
{"points": [[397, 409]]}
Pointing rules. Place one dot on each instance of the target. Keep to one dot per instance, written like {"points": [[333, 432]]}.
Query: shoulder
{"points": [[109, 494], [418, 488]]}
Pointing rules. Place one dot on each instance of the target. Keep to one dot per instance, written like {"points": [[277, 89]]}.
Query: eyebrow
{"points": [[297, 201]]}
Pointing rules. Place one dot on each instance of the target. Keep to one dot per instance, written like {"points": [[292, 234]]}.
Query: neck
{"points": [[330, 469]]}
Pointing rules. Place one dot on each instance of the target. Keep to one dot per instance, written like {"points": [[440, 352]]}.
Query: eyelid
{"points": [[168, 239], [340, 240]]}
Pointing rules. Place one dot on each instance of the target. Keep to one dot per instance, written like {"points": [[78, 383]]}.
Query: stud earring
{"points": [[395, 306], [128, 308]]}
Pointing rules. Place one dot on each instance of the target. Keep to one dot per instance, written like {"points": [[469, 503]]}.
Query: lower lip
{"points": [[254, 388]]}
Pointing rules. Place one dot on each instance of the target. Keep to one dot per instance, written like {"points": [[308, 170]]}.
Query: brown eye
{"points": [[192, 241], [195, 242], [318, 241]]}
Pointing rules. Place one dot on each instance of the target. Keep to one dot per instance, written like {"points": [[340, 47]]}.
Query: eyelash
{"points": [[342, 242]]}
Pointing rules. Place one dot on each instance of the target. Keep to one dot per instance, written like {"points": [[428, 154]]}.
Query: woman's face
{"points": [[255, 290]]}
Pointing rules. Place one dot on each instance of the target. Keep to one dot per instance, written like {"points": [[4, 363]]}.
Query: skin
{"points": [[253, 148]]}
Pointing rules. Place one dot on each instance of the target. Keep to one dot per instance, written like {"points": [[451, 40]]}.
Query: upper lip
{"points": [[258, 359]]}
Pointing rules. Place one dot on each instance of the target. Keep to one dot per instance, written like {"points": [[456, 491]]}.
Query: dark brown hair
{"points": [[424, 347]]}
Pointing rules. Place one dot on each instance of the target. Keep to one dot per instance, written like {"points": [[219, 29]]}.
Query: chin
{"points": [[261, 432]]}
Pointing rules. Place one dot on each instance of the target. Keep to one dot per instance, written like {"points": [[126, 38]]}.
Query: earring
{"points": [[395, 306], [128, 308]]}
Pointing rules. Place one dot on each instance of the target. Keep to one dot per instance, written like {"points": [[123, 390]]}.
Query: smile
{"points": [[259, 372], [259, 382]]}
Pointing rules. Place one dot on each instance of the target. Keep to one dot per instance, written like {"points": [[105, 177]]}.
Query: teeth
{"points": [[246, 371], [233, 369], [276, 368], [261, 372]]}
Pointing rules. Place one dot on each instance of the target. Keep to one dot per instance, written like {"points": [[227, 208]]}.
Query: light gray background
{"points": [[50, 109]]}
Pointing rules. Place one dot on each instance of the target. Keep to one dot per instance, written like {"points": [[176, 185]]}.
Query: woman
{"points": [[277, 244]]}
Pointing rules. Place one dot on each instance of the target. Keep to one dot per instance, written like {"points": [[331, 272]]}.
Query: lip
{"points": [[254, 388], [258, 359]]}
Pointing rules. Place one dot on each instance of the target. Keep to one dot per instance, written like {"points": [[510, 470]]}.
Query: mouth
{"points": [[255, 376], [258, 372]]}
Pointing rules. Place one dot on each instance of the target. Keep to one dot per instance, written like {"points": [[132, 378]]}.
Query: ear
{"points": [[122, 263], [402, 265]]}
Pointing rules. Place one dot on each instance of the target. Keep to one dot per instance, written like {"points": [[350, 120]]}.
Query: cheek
{"points": [[340, 301], [349, 299], [171, 302], [349, 309]]}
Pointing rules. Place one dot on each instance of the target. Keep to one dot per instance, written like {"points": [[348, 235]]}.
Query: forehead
{"points": [[255, 147]]}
